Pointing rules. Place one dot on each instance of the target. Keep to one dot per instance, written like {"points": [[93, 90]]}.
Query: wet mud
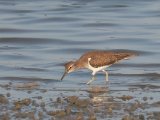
{"points": [[96, 102]]}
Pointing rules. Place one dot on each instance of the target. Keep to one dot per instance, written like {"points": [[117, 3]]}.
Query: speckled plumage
{"points": [[101, 58], [96, 61]]}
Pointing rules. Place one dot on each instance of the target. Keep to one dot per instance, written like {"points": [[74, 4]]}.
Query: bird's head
{"points": [[69, 67]]}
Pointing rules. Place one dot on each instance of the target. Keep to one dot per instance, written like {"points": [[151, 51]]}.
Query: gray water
{"points": [[38, 37]]}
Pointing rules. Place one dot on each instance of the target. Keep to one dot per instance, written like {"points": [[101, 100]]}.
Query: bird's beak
{"points": [[65, 73]]}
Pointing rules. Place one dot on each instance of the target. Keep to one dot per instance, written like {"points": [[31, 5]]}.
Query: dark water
{"points": [[37, 37]]}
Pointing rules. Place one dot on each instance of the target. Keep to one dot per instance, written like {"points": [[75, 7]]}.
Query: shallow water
{"points": [[36, 38]]}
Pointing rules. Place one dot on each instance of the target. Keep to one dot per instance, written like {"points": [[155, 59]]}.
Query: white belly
{"points": [[94, 70]]}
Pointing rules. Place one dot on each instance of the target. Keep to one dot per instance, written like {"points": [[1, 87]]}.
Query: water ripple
{"points": [[27, 79], [99, 24], [15, 40], [52, 20]]}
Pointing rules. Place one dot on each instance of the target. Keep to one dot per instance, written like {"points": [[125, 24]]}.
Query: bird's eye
{"points": [[70, 67]]}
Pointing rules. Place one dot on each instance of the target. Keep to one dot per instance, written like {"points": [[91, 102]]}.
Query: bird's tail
{"points": [[125, 55]]}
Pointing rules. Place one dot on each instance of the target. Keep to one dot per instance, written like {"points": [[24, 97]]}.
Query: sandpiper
{"points": [[96, 61]]}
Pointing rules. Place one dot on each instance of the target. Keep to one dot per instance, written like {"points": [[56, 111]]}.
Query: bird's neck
{"points": [[80, 64]]}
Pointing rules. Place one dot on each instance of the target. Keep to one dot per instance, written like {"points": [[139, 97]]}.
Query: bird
{"points": [[96, 60]]}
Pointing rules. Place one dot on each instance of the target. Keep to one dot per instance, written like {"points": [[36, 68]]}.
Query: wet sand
{"points": [[90, 103], [37, 38]]}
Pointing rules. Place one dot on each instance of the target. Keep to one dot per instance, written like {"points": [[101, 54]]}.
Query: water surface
{"points": [[37, 37]]}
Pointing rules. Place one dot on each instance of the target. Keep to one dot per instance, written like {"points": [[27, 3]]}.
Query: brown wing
{"points": [[107, 58], [102, 59]]}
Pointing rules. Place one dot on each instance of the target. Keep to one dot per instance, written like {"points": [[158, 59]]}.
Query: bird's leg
{"points": [[106, 75], [92, 79]]}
